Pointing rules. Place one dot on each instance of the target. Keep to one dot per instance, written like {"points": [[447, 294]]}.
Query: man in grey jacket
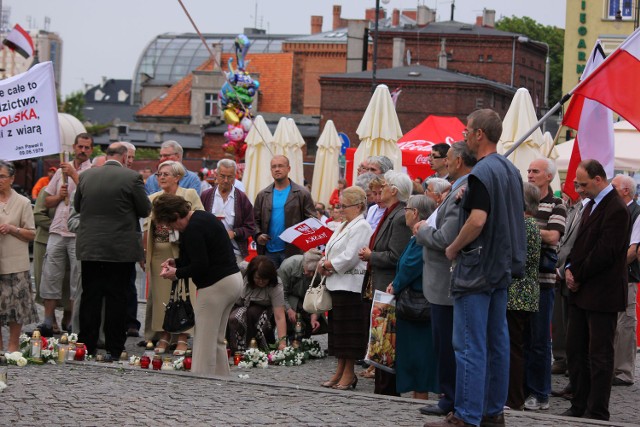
{"points": [[435, 235]]}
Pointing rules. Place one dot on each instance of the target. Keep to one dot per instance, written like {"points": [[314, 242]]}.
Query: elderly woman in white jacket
{"points": [[344, 271]]}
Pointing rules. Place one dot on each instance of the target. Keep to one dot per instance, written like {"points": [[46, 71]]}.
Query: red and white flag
{"points": [[594, 123], [20, 41], [307, 234], [615, 83]]}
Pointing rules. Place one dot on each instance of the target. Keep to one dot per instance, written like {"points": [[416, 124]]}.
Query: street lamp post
{"points": [[375, 44]]}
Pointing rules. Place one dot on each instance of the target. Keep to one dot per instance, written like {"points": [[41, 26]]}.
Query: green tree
{"points": [[551, 35], [73, 104]]}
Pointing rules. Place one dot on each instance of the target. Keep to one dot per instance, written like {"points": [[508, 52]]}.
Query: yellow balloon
{"points": [[230, 117]]}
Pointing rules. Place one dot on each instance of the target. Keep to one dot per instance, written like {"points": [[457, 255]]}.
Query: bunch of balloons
{"points": [[235, 98]]}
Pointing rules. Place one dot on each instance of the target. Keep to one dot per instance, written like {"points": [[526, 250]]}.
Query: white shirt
{"points": [[226, 212], [374, 215]]}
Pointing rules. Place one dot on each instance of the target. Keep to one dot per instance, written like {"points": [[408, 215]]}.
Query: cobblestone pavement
{"points": [[89, 393]]}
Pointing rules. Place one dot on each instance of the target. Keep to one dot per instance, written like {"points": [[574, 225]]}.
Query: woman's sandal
{"points": [[177, 352], [161, 350]]}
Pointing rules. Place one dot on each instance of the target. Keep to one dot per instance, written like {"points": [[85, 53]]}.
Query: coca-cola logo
{"points": [[416, 145], [304, 229], [422, 160]]}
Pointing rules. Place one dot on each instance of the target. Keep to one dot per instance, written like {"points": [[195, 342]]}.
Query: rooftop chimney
{"points": [[479, 20], [423, 16], [337, 21], [395, 18], [316, 24], [488, 18], [370, 14]]}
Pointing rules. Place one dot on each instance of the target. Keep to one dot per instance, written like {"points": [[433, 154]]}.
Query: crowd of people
{"points": [[504, 265]]}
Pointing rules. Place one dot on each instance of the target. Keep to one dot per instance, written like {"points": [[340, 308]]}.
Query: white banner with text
{"points": [[29, 114]]}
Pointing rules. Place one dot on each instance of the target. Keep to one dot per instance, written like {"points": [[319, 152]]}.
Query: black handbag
{"points": [[178, 314], [548, 260], [413, 306]]}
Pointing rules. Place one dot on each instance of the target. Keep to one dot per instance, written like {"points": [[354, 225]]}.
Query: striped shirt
{"points": [[551, 215]]}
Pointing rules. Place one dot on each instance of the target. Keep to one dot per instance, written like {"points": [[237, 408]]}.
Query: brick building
{"points": [[425, 91]]}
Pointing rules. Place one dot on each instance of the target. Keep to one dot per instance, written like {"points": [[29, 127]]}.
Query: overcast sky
{"points": [[106, 38]]}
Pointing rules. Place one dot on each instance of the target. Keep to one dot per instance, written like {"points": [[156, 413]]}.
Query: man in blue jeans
{"points": [[488, 251]]}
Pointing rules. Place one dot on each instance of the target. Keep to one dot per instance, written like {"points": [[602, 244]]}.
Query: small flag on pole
{"points": [[20, 41], [307, 234]]}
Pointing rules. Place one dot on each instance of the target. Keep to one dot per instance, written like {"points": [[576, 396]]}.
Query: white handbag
{"points": [[317, 299]]}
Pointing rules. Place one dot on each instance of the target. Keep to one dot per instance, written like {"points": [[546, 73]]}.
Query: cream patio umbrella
{"points": [[257, 172], [289, 142], [326, 170], [520, 118], [294, 153], [379, 131]]}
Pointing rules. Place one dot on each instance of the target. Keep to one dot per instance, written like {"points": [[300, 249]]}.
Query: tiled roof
{"points": [[275, 72]]}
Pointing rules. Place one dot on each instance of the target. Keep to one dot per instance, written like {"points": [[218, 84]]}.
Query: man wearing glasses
{"points": [[171, 150], [489, 250], [438, 161]]}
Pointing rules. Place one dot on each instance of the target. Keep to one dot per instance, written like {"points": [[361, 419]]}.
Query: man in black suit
{"points": [[110, 201], [596, 275]]}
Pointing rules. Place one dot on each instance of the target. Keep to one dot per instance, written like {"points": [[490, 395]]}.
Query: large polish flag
{"points": [[20, 41], [594, 123]]}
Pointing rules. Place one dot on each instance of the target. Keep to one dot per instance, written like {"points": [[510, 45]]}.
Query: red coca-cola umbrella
{"points": [[416, 144]]}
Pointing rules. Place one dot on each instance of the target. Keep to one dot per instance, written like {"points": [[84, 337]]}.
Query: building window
{"points": [[479, 103], [480, 58], [210, 104], [623, 7], [489, 58]]}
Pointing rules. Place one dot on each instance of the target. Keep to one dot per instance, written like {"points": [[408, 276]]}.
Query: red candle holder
{"points": [[237, 358], [187, 363], [156, 363], [145, 361], [80, 351]]}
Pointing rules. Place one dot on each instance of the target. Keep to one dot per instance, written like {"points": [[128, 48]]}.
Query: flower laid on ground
{"points": [[16, 358], [48, 352], [178, 364], [312, 348], [288, 356], [254, 358]]}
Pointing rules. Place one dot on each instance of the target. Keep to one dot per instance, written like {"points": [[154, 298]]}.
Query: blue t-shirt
{"points": [[276, 225]]}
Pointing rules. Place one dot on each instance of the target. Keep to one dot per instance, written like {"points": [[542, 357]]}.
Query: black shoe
{"points": [[618, 382], [133, 332], [492, 421], [432, 410], [558, 368], [362, 363], [571, 413]]}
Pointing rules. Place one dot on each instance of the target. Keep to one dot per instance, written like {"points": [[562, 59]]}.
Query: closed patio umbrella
{"points": [[379, 130], [326, 170], [257, 172], [520, 118]]}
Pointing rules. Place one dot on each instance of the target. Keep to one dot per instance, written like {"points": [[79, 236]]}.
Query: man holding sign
{"points": [[61, 247]]}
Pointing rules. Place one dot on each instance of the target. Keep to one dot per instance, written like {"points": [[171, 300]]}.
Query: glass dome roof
{"points": [[170, 57]]}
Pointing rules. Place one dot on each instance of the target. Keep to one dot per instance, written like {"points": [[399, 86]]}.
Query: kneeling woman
{"points": [[261, 303], [206, 256]]}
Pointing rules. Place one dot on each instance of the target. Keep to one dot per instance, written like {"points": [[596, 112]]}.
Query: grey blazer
{"points": [[436, 274], [391, 240], [574, 216], [110, 200]]}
